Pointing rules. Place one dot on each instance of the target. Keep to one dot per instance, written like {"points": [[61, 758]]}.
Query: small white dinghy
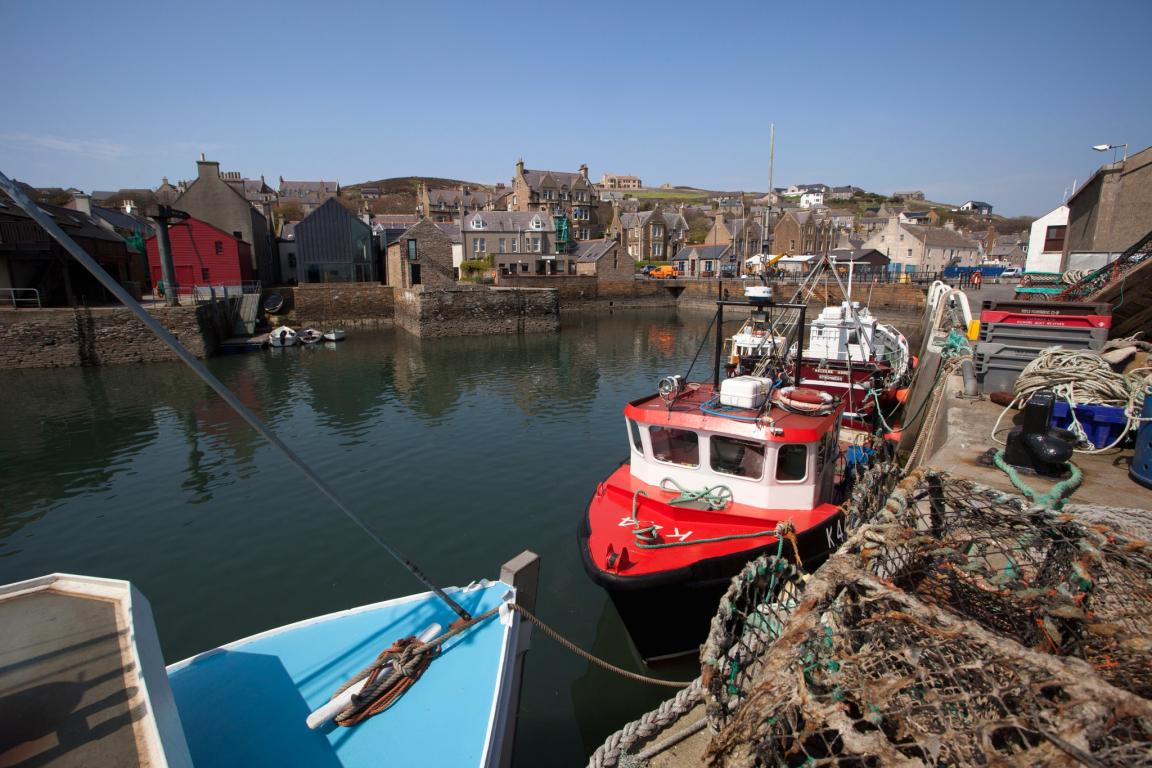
{"points": [[282, 337], [310, 336], [336, 334]]}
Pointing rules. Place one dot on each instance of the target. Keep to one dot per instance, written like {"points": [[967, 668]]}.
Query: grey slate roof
{"points": [[454, 197], [703, 252], [450, 229], [506, 221], [593, 250], [940, 237], [561, 178], [288, 230], [127, 221]]}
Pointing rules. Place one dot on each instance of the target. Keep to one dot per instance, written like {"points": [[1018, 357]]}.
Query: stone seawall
{"points": [[477, 311], [340, 304], [879, 296], [65, 337], [585, 292]]}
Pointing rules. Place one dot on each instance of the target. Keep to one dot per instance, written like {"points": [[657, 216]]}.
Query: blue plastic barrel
{"points": [[1141, 469]]}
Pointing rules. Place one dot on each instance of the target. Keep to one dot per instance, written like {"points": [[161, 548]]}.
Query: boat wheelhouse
{"points": [[717, 474]]}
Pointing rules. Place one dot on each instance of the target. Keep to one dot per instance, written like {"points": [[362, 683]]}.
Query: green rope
{"points": [[716, 496], [647, 537], [956, 345], [1055, 498]]}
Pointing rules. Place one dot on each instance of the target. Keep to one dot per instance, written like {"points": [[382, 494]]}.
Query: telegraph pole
{"points": [[167, 271]]}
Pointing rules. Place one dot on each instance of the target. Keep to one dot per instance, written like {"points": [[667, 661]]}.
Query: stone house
{"points": [[1110, 213], [559, 192], [654, 235], [604, 259], [444, 205], [335, 246], [746, 236], [801, 232], [421, 256], [520, 242], [614, 181], [212, 199], [308, 195], [916, 249], [909, 194], [1012, 249], [843, 193], [705, 260]]}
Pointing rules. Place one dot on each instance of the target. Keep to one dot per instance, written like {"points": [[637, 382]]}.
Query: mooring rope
{"points": [[1056, 496], [400, 665]]}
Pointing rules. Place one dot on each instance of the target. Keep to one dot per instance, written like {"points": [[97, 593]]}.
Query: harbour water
{"points": [[462, 452]]}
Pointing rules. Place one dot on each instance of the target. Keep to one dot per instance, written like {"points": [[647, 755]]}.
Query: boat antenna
{"points": [[117, 290]]}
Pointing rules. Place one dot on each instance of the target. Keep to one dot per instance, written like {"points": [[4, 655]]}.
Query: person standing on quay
{"points": [[977, 278]]}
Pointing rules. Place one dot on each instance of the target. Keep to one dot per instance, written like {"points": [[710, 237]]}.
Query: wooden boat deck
{"points": [[71, 689]]}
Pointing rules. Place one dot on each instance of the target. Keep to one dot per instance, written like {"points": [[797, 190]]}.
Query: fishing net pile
{"points": [[957, 626]]}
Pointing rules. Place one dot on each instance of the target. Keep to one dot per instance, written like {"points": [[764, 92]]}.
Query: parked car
{"points": [[1012, 273], [646, 269]]}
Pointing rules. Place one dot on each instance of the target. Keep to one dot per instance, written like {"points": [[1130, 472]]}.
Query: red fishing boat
{"points": [[718, 474]]}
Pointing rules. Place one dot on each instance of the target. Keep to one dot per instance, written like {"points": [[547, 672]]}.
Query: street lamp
{"points": [[1106, 147]]}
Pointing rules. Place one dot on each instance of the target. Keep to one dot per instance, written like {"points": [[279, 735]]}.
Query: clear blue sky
{"points": [[998, 101]]}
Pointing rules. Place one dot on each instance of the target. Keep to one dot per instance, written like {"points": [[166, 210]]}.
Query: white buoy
{"points": [[332, 708]]}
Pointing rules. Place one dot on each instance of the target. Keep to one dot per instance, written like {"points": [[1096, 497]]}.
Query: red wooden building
{"points": [[203, 255]]}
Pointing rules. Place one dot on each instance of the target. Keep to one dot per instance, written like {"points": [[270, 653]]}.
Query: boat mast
{"points": [[768, 211]]}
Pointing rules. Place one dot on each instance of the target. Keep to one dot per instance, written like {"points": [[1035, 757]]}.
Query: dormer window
{"points": [[537, 223], [478, 222]]}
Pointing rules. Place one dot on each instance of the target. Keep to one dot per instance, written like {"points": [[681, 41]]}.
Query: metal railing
{"points": [[205, 293], [20, 297]]}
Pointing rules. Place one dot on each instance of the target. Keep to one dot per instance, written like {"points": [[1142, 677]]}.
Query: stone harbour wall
{"points": [[65, 337], [341, 304], [477, 311]]}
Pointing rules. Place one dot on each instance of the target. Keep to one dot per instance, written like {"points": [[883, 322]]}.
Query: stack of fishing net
{"points": [[958, 627]]}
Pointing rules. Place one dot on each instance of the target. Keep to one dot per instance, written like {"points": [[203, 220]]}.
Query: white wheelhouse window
{"points": [[792, 463], [675, 446]]}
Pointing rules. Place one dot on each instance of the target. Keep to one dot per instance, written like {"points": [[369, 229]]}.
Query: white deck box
{"points": [[745, 391]]}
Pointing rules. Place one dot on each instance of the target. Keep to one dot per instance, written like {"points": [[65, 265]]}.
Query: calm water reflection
{"points": [[462, 451]]}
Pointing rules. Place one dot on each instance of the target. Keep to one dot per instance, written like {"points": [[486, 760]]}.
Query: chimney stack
{"points": [[520, 167], [584, 170], [81, 202], [206, 169]]}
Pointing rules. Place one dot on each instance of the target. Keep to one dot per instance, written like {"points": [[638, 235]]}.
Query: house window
{"points": [[515, 245], [901, 238], [537, 223], [675, 446], [792, 463], [412, 252], [791, 245], [204, 274], [658, 250], [479, 246], [219, 245], [1054, 238], [523, 267], [478, 223], [744, 458], [502, 244]]}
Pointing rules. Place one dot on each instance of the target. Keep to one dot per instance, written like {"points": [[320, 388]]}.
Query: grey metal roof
{"points": [[126, 221]]}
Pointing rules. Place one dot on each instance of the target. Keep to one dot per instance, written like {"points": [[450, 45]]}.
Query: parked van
{"points": [[1012, 273], [665, 270]]}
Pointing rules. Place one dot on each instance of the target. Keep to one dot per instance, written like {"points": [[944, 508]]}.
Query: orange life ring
{"points": [[803, 399]]}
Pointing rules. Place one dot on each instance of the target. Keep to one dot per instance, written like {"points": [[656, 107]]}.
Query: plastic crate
{"points": [[1048, 308], [1030, 318], [1043, 335], [998, 365], [1102, 424]]}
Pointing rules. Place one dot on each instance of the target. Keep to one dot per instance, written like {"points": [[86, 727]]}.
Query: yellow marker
{"points": [[973, 330]]}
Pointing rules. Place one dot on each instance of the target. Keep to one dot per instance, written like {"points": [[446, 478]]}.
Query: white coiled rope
{"points": [[1081, 377]]}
